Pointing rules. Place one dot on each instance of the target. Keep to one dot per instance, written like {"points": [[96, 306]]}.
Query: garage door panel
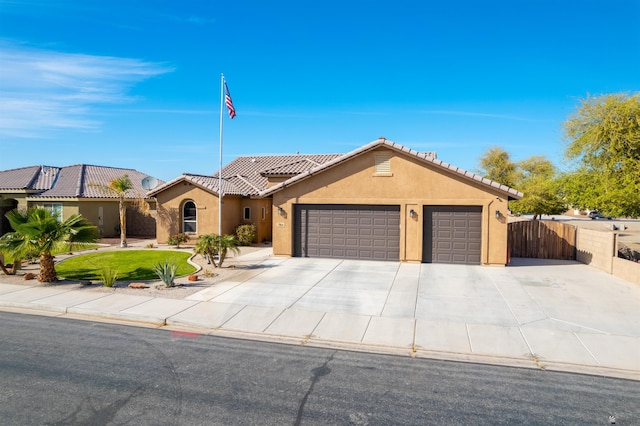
{"points": [[349, 232], [452, 234], [365, 232]]}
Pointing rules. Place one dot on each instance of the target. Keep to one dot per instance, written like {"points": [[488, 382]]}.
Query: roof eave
{"points": [[425, 157]]}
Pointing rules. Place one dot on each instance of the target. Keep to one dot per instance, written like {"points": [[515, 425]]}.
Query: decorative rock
{"points": [[29, 276], [193, 277], [138, 285]]}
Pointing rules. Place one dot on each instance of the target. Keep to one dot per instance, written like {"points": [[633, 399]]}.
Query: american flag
{"points": [[228, 102]]}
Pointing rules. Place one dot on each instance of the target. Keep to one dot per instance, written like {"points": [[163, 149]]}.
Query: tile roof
{"points": [[33, 178], [248, 175], [77, 181], [428, 157]]}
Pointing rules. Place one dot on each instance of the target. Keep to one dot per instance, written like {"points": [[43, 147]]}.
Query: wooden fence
{"points": [[542, 240]]}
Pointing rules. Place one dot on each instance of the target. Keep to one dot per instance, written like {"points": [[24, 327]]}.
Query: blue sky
{"points": [[136, 84]]}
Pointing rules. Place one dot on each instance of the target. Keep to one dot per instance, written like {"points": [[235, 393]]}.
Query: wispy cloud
{"points": [[477, 114], [44, 90]]}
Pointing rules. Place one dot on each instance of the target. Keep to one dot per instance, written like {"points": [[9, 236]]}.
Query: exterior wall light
{"points": [[497, 214], [412, 213], [280, 211]]}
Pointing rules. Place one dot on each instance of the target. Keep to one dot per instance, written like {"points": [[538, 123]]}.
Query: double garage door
{"points": [[347, 231], [451, 234]]}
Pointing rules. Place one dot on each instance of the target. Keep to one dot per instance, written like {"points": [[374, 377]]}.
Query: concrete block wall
{"points": [[596, 248], [626, 269], [600, 250]]}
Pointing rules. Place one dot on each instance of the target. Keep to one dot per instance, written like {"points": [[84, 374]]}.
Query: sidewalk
{"points": [[551, 315]]}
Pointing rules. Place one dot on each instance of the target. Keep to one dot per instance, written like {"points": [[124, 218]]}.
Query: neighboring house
{"points": [[189, 203], [382, 201], [75, 189]]}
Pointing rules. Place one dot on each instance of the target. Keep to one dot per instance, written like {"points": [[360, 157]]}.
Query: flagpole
{"points": [[220, 168]]}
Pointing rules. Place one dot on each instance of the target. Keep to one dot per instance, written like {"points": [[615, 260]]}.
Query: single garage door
{"points": [[347, 231], [452, 234]]}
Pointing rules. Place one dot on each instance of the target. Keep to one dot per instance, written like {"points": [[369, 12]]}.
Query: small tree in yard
{"points": [[534, 176], [211, 244], [120, 186], [36, 229], [3, 267], [207, 246], [227, 243], [604, 145], [17, 262]]}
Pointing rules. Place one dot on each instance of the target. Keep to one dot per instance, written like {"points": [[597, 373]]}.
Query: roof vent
{"points": [[383, 163]]}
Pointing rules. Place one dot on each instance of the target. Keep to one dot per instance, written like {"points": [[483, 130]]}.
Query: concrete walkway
{"points": [[554, 315]]}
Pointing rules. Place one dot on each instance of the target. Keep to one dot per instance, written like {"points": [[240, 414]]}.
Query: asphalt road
{"points": [[67, 372]]}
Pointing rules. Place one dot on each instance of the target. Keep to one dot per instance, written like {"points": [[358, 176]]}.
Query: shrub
{"points": [[108, 276], [166, 272], [176, 240], [245, 234]]}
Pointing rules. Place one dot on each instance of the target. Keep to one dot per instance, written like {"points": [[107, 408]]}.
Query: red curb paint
{"points": [[184, 334]]}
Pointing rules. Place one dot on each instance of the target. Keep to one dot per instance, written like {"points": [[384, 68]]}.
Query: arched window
{"points": [[189, 218]]}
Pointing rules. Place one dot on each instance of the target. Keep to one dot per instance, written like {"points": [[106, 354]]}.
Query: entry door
{"points": [[101, 219], [452, 234]]}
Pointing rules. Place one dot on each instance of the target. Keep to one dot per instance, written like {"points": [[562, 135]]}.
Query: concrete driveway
{"points": [[558, 315], [547, 312]]}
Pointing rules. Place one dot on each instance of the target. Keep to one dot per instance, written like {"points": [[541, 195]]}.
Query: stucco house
{"points": [[189, 203], [382, 201], [385, 201], [75, 189]]}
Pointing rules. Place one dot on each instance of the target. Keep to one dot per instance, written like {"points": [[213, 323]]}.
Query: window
{"points": [[247, 213], [264, 213], [55, 209], [189, 217]]}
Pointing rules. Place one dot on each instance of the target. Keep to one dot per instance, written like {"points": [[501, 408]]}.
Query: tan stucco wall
{"points": [[262, 223], [107, 223], [69, 208], [6, 198], [411, 184], [171, 200]]}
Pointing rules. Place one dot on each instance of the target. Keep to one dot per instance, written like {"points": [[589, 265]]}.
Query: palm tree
{"points": [[227, 243], [119, 187], [208, 246], [2, 267], [37, 229], [14, 267], [211, 244]]}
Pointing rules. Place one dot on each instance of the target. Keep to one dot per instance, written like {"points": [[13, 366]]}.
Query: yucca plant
{"points": [[108, 276], [166, 272]]}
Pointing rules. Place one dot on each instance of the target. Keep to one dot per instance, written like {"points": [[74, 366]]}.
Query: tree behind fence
{"points": [[542, 240]]}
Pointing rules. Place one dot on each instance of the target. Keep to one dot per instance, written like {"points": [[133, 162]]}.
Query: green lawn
{"points": [[131, 265], [66, 249]]}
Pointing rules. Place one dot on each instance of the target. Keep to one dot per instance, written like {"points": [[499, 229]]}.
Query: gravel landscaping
{"points": [[207, 276]]}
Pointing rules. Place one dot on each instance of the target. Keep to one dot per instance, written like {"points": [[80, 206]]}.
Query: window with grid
{"points": [[189, 217]]}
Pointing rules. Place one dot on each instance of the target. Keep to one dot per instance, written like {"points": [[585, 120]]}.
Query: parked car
{"points": [[597, 215]]}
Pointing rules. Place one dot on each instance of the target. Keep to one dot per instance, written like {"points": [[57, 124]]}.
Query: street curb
{"points": [[136, 320]]}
